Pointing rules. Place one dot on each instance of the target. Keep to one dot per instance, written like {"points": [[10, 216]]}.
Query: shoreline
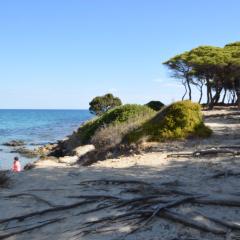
{"points": [[172, 167], [36, 127]]}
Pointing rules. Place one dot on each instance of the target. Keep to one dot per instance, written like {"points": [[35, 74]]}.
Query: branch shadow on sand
{"points": [[57, 186]]}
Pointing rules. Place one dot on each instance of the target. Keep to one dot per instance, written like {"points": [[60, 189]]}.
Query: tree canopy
{"points": [[212, 68], [155, 105], [102, 104]]}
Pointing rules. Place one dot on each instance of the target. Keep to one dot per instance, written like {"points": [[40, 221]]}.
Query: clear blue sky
{"points": [[62, 53]]}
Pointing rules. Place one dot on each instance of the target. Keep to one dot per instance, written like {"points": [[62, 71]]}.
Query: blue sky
{"points": [[60, 54]]}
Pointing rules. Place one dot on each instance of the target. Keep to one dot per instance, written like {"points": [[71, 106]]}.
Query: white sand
{"points": [[191, 173]]}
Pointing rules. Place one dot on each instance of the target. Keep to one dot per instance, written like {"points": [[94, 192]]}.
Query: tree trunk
{"points": [[189, 88], [237, 90], [209, 91], [185, 91], [224, 95], [216, 97], [233, 97], [201, 94], [238, 98]]}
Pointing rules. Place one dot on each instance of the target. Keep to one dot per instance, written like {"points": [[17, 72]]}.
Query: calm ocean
{"points": [[36, 127]]}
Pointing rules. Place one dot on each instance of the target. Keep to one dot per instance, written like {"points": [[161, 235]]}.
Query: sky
{"points": [[59, 54]]}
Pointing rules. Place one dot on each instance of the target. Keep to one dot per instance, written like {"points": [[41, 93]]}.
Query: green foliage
{"points": [[155, 105], [179, 65], [130, 123], [177, 121], [202, 131], [207, 56], [129, 113], [216, 68], [102, 104]]}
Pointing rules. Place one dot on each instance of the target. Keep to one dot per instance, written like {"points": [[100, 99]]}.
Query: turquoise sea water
{"points": [[36, 127]]}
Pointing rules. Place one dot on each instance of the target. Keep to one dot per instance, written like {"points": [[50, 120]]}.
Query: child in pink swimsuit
{"points": [[16, 165]]}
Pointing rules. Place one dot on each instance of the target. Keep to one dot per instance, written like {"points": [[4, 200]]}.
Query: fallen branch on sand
{"points": [[137, 210], [7, 235], [38, 199], [185, 220], [200, 153], [227, 224], [45, 211], [227, 173], [226, 115]]}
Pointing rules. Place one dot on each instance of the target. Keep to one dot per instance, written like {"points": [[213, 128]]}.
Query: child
{"points": [[16, 165]]}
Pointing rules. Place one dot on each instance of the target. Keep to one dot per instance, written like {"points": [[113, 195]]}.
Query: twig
{"points": [[45, 211], [185, 220], [228, 224], [33, 196], [7, 235]]}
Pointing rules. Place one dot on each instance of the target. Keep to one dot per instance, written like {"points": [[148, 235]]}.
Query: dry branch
{"points": [[7, 235], [113, 182], [225, 223], [162, 207], [200, 153], [45, 211], [33, 196], [225, 174], [214, 152], [152, 201], [226, 200], [185, 220]]}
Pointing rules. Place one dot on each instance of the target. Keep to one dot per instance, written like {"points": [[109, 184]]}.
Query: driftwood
{"points": [[7, 235], [113, 182], [230, 147], [227, 173], [135, 209], [185, 220], [200, 153], [160, 208], [225, 223], [227, 200], [45, 211], [237, 113], [38, 199], [214, 152]]}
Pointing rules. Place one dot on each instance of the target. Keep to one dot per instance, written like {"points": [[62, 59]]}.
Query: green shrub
{"points": [[177, 121], [155, 105], [132, 123], [115, 122]]}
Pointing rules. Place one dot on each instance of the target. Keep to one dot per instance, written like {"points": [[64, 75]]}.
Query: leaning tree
{"points": [[179, 65], [210, 68]]}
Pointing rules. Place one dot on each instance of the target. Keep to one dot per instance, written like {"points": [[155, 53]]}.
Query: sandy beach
{"points": [[51, 185]]}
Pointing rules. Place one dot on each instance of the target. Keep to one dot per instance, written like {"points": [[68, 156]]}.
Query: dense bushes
{"points": [[109, 129], [155, 105], [128, 124], [179, 120]]}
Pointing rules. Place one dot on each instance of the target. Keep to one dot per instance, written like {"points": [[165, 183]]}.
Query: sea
{"points": [[36, 128]]}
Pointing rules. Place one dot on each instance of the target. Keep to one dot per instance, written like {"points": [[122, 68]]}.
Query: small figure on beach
{"points": [[16, 165]]}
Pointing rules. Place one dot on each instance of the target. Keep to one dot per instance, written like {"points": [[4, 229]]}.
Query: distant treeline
{"points": [[218, 69]]}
